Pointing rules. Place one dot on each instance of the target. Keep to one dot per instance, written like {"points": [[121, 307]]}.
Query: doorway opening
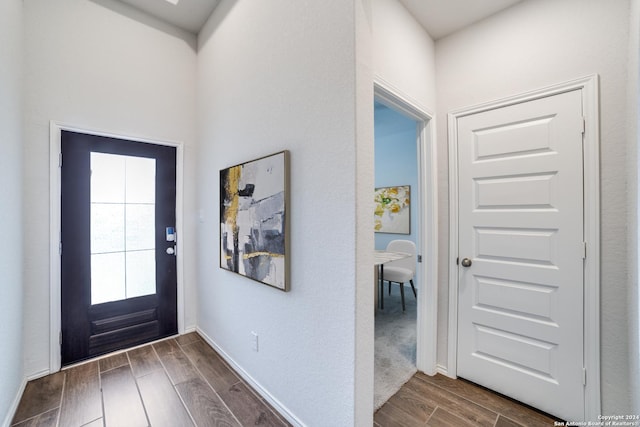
{"points": [[115, 268], [406, 157], [397, 211]]}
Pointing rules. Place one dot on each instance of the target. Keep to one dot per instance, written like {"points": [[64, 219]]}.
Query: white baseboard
{"points": [[249, 379], [443, 370], [189, 329], [39, 374], [14, 406]]}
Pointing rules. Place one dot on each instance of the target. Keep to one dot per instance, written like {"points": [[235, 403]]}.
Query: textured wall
{"points": [[404, 63], [98, 65], [273, 76], [11, 367], [403, 53], [633, 143], [532, 45]]}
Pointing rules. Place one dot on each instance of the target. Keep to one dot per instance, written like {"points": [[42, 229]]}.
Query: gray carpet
{"points": [[395, 344]]}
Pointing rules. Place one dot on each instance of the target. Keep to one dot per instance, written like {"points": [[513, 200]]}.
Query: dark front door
{"points": [[118, 255]]}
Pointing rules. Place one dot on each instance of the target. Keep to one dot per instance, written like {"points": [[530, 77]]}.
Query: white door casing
{"points": [[55, 133], [518, 216], [427, 273]]}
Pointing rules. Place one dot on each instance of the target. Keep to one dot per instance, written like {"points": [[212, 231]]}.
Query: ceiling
{"points": [[190, 15], [438, 17], [443, 17]]}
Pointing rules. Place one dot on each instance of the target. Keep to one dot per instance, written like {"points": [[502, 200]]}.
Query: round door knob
{"points": [[171, 251], [466, 262]]}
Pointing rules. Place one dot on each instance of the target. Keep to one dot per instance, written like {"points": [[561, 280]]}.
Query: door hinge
{"points": [[60, 338], [60, 248], [584, 250], [419, 258], [458, 261], [584, 376], [584, 125], [59, 160]]}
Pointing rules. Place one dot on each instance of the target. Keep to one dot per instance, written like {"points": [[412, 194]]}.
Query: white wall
{"points": [[529, 46], [633, 141], [364, 181], [11, 366], [404, 64], [403, 53], [98, 65], [282, 75]]}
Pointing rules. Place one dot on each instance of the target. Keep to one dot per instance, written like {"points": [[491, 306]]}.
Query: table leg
{"points": [[381, 274], [376, 285]]}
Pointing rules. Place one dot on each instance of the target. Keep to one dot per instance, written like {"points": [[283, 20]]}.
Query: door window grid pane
{"points": [[107, 228], [108, 277], [122, 225], [140, 226], [138, 264], [108, 172]]}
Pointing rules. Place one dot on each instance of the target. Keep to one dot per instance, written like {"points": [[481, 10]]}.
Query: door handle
{"points": [[171, 250], [466, 262]]}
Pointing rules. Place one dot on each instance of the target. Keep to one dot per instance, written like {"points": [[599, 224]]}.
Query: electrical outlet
{"points": [[254, 341]]}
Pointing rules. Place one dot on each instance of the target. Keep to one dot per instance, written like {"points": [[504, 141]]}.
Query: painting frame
{"points": [[392, 210], [254, 223]]}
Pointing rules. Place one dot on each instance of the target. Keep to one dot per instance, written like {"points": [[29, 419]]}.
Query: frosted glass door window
{"points": [[122, 227]]}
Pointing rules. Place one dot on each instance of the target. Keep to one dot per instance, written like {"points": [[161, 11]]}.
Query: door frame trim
{"points": [[427, 315], [589, 86], [55, 188]]}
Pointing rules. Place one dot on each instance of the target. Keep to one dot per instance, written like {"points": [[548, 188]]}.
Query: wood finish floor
{"points": [[442, 401], [184, 382], [173, 383]]}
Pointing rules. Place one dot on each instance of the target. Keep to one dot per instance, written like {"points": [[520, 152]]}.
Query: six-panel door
{"points": [[520, 308]]}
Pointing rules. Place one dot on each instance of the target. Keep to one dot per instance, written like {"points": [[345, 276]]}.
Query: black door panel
{"points": [[89, 330]]}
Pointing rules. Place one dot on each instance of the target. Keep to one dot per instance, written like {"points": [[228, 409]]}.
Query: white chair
{"points": [[402, 270]]}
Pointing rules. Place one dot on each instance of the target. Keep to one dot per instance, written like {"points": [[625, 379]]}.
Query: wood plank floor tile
{"points": [[453, 403], [488, 399], [413, 403], [442, 418], [82, 401], [389, 415], [122, 404], [40, 396], [114, 361], [248, 408], [48, 419], [204, 405], [163, 405], [506, 422], [175, 361], [189, 338], [144, 361], [138, 389], [213, 368]]}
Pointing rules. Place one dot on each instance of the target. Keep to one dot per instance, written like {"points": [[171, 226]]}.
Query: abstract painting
{"points": [[253, 219], [393, 210]]}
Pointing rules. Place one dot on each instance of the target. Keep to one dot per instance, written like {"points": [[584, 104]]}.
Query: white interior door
{"points": [[520, 307]]}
